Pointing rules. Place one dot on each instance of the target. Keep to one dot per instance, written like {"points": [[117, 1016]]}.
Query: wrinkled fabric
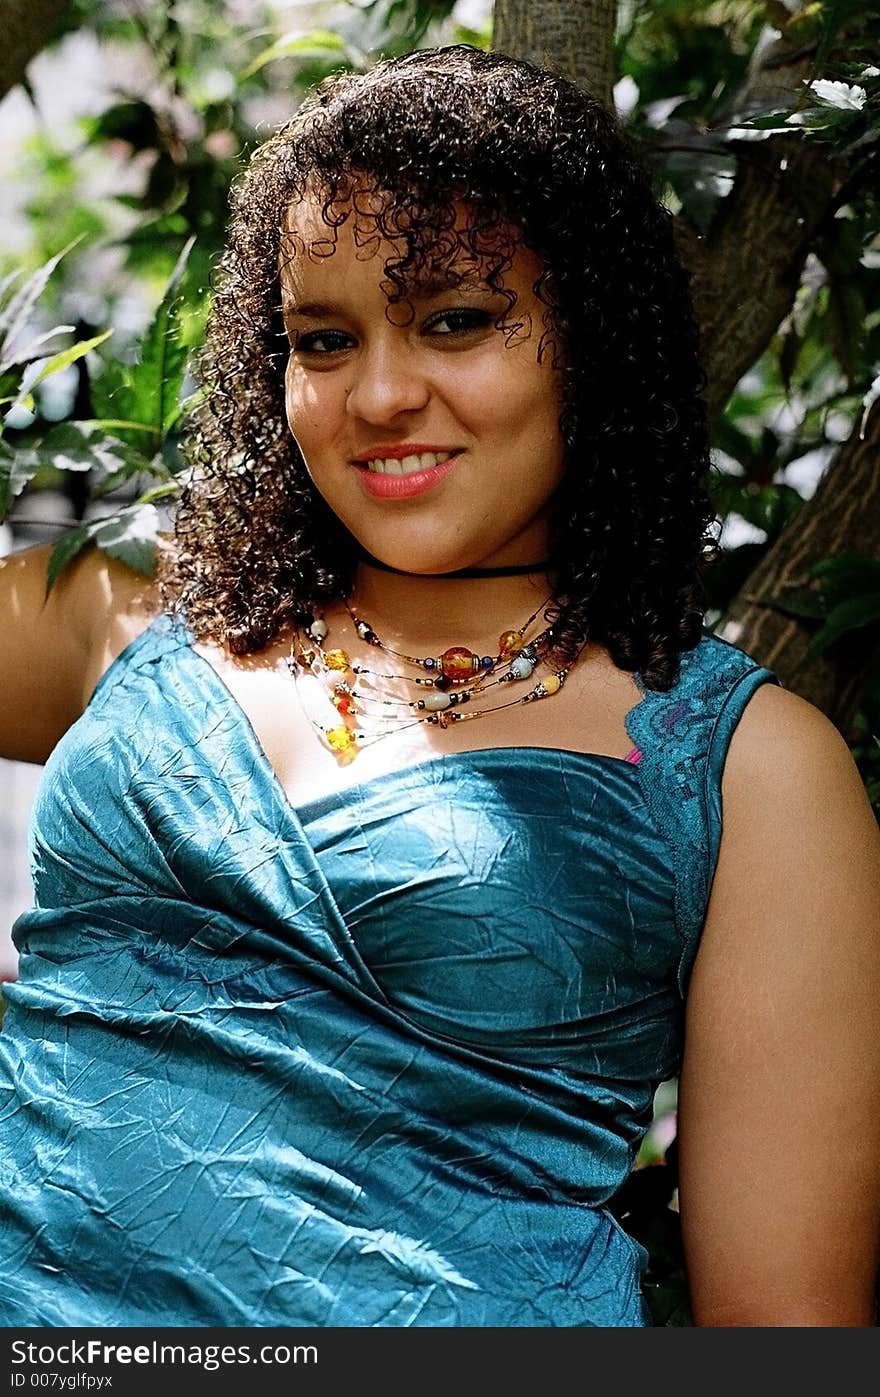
{"points": [[380, 1060]]}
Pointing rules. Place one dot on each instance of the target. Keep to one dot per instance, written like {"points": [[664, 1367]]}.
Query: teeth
{"points": [[409, 463]]}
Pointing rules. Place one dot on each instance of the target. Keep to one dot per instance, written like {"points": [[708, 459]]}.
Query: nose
{"points": [[386, 381]]}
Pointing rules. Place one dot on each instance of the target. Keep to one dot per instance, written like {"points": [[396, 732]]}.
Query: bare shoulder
{"points": [[774, 713], [785, 754], [800, 843], [54, 645], [114, 604]]}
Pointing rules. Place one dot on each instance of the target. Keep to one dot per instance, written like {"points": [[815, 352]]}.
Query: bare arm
{"points": [[779, 1127], [52, 649]]}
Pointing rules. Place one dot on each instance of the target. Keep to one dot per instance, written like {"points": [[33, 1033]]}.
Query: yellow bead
{"points": [[551, 684], [337, 659], [508, 642], [341, 739]]}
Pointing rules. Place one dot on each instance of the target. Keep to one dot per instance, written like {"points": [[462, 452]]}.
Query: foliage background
{"points": [[118, 151]]}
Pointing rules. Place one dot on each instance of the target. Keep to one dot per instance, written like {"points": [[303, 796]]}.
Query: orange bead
{"points": [[509, 642], [459, 663]]}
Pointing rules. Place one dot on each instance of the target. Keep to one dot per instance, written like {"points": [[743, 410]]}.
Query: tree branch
{"points": [[747, 271]]}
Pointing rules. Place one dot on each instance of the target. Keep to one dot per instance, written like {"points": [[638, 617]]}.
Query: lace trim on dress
{"points": [[683, 737]]}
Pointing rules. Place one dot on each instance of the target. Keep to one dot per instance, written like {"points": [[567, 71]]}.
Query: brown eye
{"points": [[321, 342], [459, 322]]}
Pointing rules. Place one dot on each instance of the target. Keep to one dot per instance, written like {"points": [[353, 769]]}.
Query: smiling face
{"points": [[434, 437]]}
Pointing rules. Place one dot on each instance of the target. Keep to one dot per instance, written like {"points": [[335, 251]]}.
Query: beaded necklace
{"points": [[453, 679]]}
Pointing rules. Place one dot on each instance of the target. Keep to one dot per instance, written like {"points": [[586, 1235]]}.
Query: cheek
{"points": [[525, 388], [493, 397], [536, 406], [309, 406]]}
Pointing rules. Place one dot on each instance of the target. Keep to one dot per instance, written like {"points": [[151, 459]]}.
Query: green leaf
{"points": [[845, 574], [771, 121], [110, 424], [30, 352], [846, 96], [868, 402], [847, 616], [74, 446], [799, 602], [66, 357], [312, 45], [7, 284], [845, 320], [15, 314], [37, 372], [111, 396], [65, 550], [820, 118], [165, 184], [186, 406], [146, 394], [168, 491], [132, 122], [130, 535], [16, 471], [111, 482]]}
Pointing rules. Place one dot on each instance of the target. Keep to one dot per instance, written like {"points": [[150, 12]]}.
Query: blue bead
{"points": [[430, 664], [521, 666], [487, 661]]}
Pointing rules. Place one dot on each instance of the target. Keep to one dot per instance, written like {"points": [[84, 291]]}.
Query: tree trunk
{"points": [[27, 27], [573, 37], [842, 516]]}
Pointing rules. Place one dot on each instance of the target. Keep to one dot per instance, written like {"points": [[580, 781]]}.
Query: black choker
{"points": [[515, 570]]}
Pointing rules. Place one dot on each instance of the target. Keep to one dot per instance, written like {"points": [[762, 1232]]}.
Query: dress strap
{"points": [[166, 632], [683, 736]]}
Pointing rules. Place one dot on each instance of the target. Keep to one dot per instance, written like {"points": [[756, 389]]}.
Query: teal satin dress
{"points": [[379, 1060]]}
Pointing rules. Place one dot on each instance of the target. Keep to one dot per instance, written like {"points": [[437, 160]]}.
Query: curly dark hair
{"points": [[525, 150]]}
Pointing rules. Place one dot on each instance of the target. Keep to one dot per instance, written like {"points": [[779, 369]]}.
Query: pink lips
{"points": [[400, 487]]}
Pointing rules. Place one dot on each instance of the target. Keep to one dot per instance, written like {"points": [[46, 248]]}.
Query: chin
{"points": [[416, 562], [417, 567]]}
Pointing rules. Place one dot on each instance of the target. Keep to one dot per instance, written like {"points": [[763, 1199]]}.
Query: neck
{"points": [[512, 570], [427, 611]]}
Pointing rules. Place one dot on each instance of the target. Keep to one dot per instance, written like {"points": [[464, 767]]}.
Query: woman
{"points": [[338, 1007]]}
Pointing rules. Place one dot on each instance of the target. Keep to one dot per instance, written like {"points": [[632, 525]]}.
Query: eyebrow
{"points": [[312, 310], [434, 284]]}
